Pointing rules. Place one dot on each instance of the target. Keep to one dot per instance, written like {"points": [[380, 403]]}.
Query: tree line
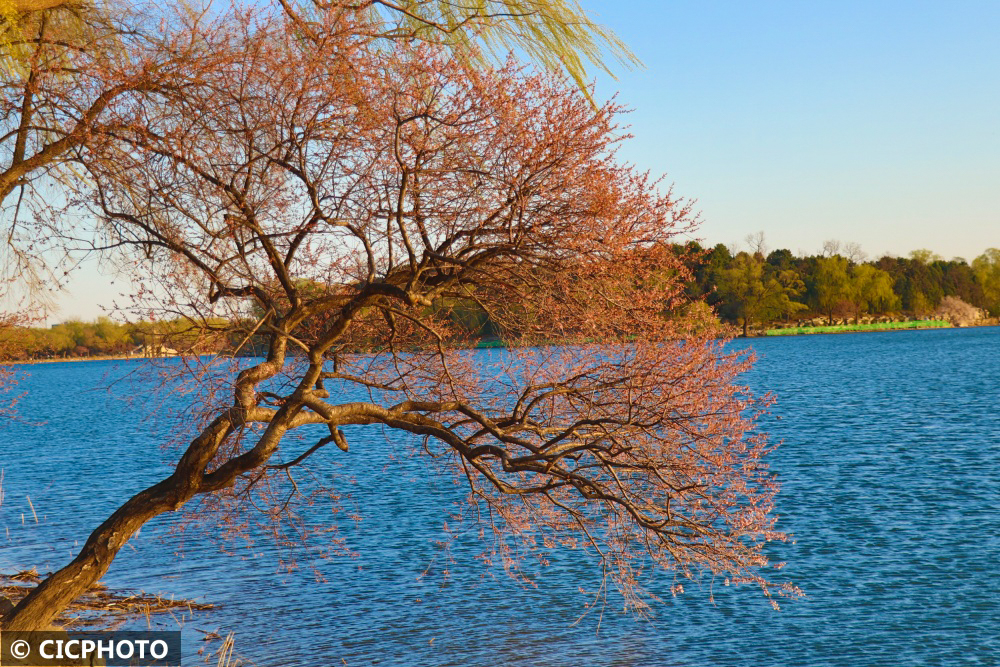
{"points": [[755, 288], [105, 337], [747, 288]]}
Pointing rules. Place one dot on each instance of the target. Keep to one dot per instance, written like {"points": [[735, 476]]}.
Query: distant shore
{"points": [[871, 327], [96, 357]]}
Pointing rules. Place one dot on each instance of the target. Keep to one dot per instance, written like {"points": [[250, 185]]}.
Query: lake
{"points": [[890, 466]]}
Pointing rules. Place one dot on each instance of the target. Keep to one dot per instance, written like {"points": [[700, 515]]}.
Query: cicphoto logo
{"points": [[44, 649]]}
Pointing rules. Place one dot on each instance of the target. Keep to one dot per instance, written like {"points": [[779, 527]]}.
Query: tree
{"points": [[831, 248], [958, 312], [756, 243], [925, 256], [831, 284], [708, 272], [24, 6], [781, 259], [987, 270], [74, 72], [753, 291], [959, 280], [853, 252], [350, 193], [8, 376], [922, 289], [555, 33], [870, 288]]}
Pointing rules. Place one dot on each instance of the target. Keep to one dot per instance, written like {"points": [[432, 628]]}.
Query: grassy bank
{"points": [[846, 328]]}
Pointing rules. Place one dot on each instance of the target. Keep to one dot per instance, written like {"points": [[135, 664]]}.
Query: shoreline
{"points": [[761, 333], [884, 327], [102, 357]]}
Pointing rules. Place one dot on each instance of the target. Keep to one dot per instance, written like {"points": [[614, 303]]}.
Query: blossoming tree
{"points": [[338, 202]]}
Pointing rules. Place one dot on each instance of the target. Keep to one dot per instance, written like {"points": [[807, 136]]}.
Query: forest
{"points": [[755, 289]]}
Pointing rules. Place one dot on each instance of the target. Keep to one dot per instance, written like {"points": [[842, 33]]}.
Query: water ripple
{"points": [[891, 473]]}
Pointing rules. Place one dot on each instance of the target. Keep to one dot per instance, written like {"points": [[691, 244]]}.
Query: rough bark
{"points": [[37, 609]]}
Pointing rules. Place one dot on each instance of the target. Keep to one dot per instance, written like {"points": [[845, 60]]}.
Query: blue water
{"points": [[891, 486]]}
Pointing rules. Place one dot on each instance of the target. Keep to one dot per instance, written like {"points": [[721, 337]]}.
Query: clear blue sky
{"points": [[876, 122]]}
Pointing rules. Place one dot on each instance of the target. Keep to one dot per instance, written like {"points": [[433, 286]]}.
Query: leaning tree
{"points": [[338, 201]]}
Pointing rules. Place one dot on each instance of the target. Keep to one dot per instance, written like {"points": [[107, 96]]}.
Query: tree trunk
{"points": [[46, 601]]}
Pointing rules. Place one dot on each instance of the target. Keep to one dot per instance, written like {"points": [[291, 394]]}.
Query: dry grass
{"points": [[225, 656], [99, 607]]}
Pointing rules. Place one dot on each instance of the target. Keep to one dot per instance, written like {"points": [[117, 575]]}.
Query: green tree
{"points": [[709, 272], [831, 284], [555, 33], [959, 280], [752, 291], [917, 282], [923, 286], [870, 289], [987, 270], [781, 259]]}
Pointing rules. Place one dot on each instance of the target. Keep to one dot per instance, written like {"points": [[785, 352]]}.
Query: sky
{"points": [[875, 122]]}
